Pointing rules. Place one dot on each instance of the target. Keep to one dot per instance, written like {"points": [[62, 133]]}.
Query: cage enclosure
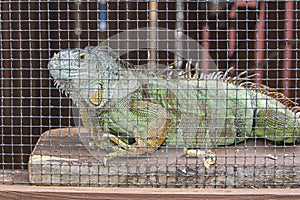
{"points": [[150, 93]]}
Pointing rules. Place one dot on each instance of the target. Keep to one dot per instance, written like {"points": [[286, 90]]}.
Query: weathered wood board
{"points": [[61, 158]]}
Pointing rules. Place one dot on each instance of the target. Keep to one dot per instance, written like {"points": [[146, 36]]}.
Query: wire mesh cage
{"points": [[150, 93]]}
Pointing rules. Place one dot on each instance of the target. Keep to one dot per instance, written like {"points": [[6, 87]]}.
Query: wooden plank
{"points": [[54, 192], [14, 176], [61, 157]]}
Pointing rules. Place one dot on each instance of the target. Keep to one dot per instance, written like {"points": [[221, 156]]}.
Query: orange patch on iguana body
{"points": [[95, 98]]}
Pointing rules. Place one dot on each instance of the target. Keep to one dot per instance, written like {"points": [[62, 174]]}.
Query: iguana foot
{"points": [[114, 153], [141, 146], [93, 144], [209, 157], [119, 150], [104, 143]]}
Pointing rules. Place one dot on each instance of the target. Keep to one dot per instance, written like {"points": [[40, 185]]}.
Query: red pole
{"points": [[232, 31], [260, 45], [287, 63]]}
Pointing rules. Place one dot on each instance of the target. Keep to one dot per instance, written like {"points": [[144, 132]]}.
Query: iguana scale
{"points": [[119, 102]]}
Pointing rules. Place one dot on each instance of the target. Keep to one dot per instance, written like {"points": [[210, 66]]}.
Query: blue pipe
{"points": [[103, 16]]}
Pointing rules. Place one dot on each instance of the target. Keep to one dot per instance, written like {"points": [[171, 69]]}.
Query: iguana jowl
{"points": [[118, 102]]}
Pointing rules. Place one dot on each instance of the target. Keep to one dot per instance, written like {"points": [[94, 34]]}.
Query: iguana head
{"points": [[86, 73]]}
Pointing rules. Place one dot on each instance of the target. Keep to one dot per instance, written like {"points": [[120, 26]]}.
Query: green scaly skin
{"points": [[118, 103]]}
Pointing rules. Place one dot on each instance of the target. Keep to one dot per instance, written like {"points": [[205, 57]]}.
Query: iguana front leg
{"points": [[90, 120], [153, 118], [140, 147]]}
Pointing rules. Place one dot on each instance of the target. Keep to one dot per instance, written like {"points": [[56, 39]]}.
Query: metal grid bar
{"points": [[190, 37]]}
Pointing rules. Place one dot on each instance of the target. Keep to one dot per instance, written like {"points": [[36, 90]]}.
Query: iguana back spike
{"points": [[270, 92], [244, 81]]}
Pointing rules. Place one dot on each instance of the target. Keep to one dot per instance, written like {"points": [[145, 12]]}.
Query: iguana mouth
{"points": [[55, 67], [59, 66]]}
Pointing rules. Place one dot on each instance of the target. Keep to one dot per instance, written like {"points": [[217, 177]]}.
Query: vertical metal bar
{"points": [[179, 33], [232, 36], [77, 19], [287, 63], [153, 38]]}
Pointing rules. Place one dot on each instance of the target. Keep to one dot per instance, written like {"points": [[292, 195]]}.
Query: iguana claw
{"points": [[105, 161], [209, 159]]}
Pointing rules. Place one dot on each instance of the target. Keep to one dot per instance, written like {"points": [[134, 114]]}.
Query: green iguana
{"points": [[118, 102]]}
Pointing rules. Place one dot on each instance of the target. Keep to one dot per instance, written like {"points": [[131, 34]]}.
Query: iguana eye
{"points": [[82, 56]]}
